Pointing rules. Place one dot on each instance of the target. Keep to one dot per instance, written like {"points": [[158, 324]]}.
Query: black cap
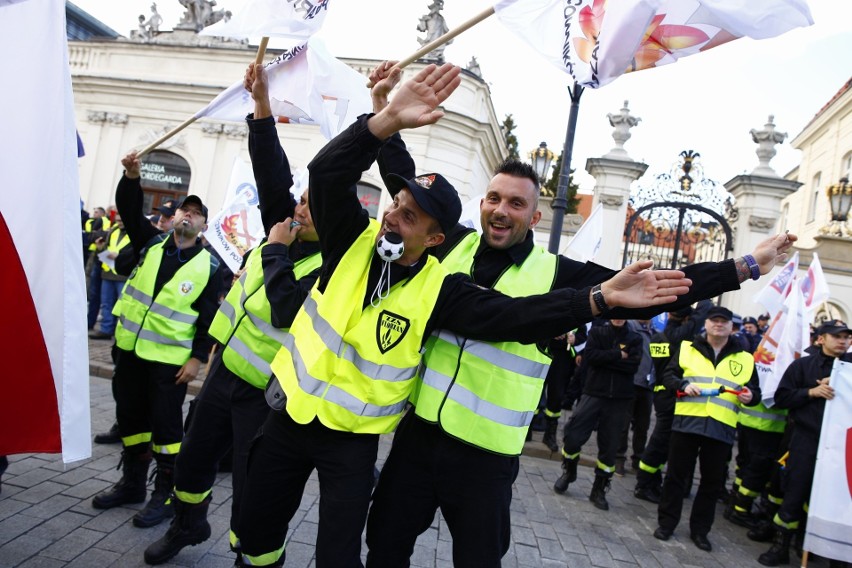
{"points": [[194, 199], [720, 312], [433, 193], [833, 327], [763, 317], [749, 319], [167, 207]]}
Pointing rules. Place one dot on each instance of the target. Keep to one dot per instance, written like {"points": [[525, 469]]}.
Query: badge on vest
{"points": [[736, 367], [390, 330], [186, 287]]}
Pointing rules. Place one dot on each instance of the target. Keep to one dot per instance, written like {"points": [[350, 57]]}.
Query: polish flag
{"points": [[43, 345]]}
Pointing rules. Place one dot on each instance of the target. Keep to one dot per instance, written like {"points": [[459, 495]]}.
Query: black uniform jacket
{"points": [[608, 374]]}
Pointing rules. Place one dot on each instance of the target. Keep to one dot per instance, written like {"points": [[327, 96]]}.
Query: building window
{"points": [[816, 188], [369, 197], [164, 176]]}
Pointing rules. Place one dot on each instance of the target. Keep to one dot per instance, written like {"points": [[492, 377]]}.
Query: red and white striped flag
{"points": [[597, 41], [45, 380]]}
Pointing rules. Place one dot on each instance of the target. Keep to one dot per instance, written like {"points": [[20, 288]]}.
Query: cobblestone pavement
{"points": [[47, 521]]}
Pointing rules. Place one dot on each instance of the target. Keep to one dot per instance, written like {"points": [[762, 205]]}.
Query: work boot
{"points": [[160, 507], [569, 475], [763, 532], [598, 494], [188, 528], [740, 511], [549, 439], [131, 487], [780, 551], [648, 494], [109, 437]]}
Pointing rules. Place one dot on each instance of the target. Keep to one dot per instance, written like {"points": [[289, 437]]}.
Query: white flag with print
{"points": [[814, 287], [587, 242], [294, 19], [776, 290]]}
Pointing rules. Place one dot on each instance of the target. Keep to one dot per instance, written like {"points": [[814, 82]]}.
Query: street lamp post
{"points": [[560, 202], [840, 199], [541, 159]]}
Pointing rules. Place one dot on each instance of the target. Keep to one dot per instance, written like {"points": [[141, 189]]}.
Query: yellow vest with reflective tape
{"points": [[764, 419], [480, 392], [351, 366], [105, 225], [243, 323], [659, 350], [732, 372], [115, 244], [161, 329]]}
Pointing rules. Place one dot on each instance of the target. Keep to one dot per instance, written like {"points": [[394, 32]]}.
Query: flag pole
{"points": [[261, 51], [437, 42]]}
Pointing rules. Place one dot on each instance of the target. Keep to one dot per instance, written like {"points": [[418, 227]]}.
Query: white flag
{"points": [[596, 41], [784, 342], [829, 530], [814, 287], [307, 85], [773, 294], [45, 381], [238, 226], [294, 19], [470, 216], [587, 242]]}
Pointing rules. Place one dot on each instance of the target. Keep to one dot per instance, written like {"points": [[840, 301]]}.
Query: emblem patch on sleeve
{"points": [[390, 330]]}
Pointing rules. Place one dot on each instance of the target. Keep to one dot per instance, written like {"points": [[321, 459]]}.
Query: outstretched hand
{"points": [[416, 102], [773, 250], [635, 286]]}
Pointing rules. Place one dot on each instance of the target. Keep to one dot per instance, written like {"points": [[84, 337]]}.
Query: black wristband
{"points": [[598, 298]]}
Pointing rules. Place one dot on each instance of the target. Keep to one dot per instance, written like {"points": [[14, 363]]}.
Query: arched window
{"points": [[164, 176], [816, 190], [369, 196]]}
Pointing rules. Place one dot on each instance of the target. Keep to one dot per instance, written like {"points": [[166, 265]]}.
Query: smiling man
{"points": [[164, 314]]}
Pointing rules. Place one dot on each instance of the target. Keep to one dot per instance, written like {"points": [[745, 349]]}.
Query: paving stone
{"points": [[19, 549], [73, 544]]}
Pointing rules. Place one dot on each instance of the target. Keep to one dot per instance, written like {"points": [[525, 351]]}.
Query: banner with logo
{"points": [[814, 287], [597, 41], [238, 226], [829, 529], [293, 19], [775, 292]]}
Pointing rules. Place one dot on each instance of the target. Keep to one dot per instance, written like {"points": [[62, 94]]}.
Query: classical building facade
{"points": [[128, 92]]}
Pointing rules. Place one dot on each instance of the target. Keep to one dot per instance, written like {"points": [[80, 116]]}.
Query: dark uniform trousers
{"points": [[638, 416], [657, 450], [281, 459], [147, 399], [756, 457], [608, 415], [712, 458], [227, 413], [799, 476], [428, 469]]}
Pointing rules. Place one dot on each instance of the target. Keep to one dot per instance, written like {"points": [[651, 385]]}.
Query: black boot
{"points": [[598, 494], [160, 507], [189, 527], [780, 551], [131, 487], [648, 486], [109, 437], [763, 532], [569, 475], [740, 507], [549, 439]]}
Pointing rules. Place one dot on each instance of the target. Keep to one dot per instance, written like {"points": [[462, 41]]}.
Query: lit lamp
{"points": [[840, 199], [541, 159]]}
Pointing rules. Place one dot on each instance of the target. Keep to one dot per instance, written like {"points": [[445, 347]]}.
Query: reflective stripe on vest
{"points": [[114, 245], [105, 225], [486, 393], [764, 419], [353, 366], [243, 323], [734, 371], [161, 329]]}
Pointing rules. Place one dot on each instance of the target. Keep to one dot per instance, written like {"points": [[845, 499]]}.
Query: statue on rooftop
{"points": [[435, 26], [199, 14]]}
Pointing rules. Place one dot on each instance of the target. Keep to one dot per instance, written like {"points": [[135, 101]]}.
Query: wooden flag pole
{"points": [[488, 12], [261, 51]]}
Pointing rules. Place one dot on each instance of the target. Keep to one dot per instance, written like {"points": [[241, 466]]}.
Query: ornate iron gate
{"points": [[678, 220]]}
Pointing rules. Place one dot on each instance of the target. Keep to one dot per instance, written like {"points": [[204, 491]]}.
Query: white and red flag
{"points": [[45, 380], [307, 85], [829, 529], [238, 227], [814, 287], [784, 342], [776, 290], [293, 19], [596, 41]]}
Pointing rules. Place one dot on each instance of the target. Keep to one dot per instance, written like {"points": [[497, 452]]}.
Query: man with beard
{"points": [[161, 338], [457, 448]]}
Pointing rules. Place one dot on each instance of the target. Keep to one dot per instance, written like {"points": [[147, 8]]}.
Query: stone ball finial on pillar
{"points": [[766, 141], [622, 122]]}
